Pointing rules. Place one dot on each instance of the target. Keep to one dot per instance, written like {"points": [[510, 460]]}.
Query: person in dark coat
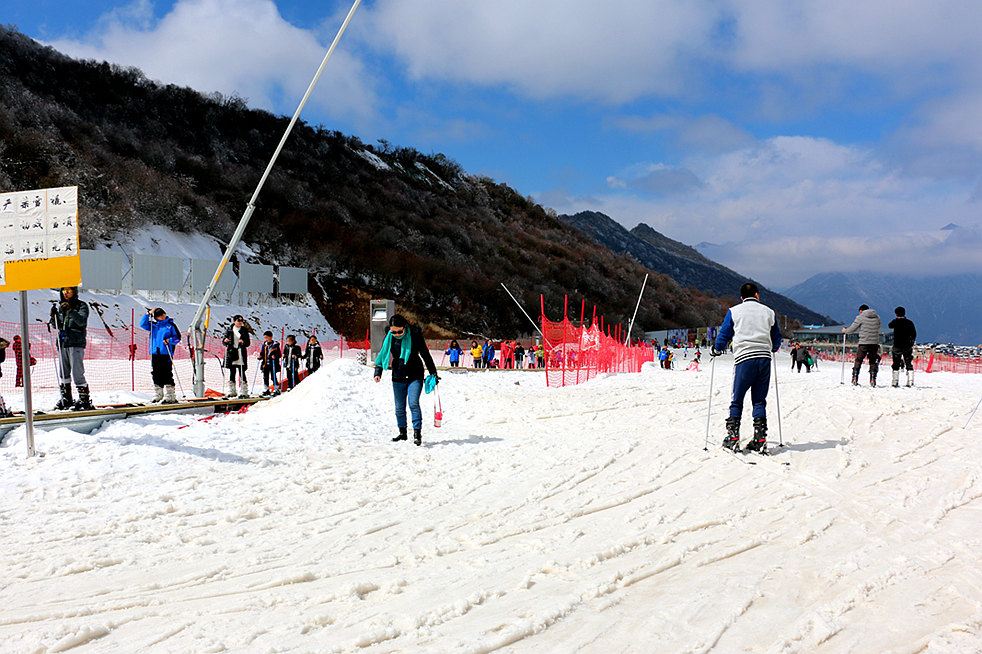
{"points": [[237, 340], [904, 337], [292, 354], [164, 337], [70, 316], [313, 355], [404, 351], [269, 363], [4, 411]]}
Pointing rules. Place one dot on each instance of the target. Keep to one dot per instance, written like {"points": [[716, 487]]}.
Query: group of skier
{"points": [[272, 359], [868, 324]]}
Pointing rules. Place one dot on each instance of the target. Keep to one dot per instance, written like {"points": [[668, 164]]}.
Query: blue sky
{"points": [[798, 137]]}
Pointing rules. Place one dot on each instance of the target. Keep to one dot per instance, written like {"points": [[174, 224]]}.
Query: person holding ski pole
{"points": [[404, 352], [313, 355], [904, 336], [164, 337], [237, 341], [752, 330], [269, 357], [867, 323], [70, 316], [292, 353]]}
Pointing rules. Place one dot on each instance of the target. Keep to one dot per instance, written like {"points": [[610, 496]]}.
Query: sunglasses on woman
{"points": [[397, 332]]}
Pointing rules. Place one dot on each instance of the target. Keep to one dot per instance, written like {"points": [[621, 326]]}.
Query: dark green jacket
{"points": [[70, 323]]}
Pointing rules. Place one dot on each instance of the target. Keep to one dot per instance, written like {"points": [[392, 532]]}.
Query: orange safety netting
{"points": [[576, 352], [120, 360]]}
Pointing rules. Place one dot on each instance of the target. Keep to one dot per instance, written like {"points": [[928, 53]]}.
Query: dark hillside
{"points": [[369, 221]]}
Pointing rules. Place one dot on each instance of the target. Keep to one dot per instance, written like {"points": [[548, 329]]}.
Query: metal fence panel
{"points": [[293, 280], [102, 269], [255, 278], [152, 273], [202, 270]]}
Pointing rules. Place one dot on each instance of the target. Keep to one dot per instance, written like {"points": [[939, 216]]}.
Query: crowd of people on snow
{"points": [[509, 355]]}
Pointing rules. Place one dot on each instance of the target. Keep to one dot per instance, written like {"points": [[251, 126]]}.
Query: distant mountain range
{"points": [[944, 309], [683, 263]]}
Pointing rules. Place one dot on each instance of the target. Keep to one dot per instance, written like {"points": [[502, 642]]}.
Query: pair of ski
{"points": [[745, 456]]}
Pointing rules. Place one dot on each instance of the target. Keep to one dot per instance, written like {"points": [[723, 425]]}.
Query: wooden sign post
{"points": [[38, 249]]}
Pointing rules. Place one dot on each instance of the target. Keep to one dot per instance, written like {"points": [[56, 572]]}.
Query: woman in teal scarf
{"points": [[404, 352]]}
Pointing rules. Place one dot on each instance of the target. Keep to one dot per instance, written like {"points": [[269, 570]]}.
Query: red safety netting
{"points": [[923, 362], [120, 360], [576, 352]]}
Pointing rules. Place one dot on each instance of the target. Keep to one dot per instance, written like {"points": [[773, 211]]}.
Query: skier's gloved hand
{"points": [[64, 307], [715, 353]]}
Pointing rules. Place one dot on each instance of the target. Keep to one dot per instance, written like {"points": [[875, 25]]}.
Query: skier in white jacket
{"points": [[752, 327]]}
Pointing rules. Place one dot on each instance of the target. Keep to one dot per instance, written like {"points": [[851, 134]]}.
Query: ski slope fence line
{"points": [[576, 352], [118, 359], [929, 362]]}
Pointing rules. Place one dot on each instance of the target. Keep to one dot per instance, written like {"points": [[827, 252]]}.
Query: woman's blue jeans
{"points": [[408, 390]]}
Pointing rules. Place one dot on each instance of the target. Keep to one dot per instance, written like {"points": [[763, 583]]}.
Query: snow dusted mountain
{"points": [[945, 309]]}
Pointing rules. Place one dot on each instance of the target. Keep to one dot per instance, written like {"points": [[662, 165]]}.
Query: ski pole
{"points": [[842, 375], [777, 398], [709, 410], [967, 422], [174, 369]]}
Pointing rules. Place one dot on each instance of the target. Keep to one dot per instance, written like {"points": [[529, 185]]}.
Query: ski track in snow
{"points": [[583, 519]]}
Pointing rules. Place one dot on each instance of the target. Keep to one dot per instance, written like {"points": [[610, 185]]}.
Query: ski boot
{"points": [[732, 440], [895, 382], [418, 436], [265, 393], [229, 390], [158, 395], [855, 376], [402, 435], [759, 442], [243, 389], [169, 396], [910, 379], [872, 379], [84, 402], [67, 401], [5, 412]]}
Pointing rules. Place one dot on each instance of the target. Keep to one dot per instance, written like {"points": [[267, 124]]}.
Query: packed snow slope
{"points": [[585, 519]]}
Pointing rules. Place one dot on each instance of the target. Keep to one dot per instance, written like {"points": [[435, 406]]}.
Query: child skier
{"points": [[313, 355], [754, 333], [164, 337], [454, 353], [291, 361], [269, 363], [237, 342]]}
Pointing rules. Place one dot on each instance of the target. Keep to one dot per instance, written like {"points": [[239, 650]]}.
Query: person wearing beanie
{"points": [[904, 336], [70, 316]]}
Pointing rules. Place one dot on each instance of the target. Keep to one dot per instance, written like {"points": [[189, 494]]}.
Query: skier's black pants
{"points": [[292, 374], [903, 359], [231, 373], [872, 352], [161, 370], [808, 368], [268, 372]]}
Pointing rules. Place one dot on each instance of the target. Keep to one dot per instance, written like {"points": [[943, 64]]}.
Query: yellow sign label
{"points": [[39, 245]]}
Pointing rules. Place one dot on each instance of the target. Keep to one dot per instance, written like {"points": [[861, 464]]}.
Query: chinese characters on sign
{"points": [[38, 225]]}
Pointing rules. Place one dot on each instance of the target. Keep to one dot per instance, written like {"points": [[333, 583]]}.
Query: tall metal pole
{"points": [[25, 358], [196, 323], [526, 313], [635, 315], [842, 374]]}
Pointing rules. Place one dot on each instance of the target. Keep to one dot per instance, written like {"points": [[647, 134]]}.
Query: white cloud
{"points": [[241, 47], [706, 133], [608, 51], [788, 207]]}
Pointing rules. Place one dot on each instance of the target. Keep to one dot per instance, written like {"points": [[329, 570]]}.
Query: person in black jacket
{"points": [[237, 341], [269, 362], [70, 317], [292, 353], [313, 355], [904, 336], [405, 352]]}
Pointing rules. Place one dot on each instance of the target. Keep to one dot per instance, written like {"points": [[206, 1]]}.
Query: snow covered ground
{"points": [[536, 520]]}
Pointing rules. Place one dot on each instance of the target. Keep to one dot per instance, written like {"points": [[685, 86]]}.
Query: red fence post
{"points": [[132, 349]]}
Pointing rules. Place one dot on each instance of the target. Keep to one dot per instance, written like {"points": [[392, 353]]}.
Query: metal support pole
{"points": [[526, 314], [196, 323], [25, 357]]}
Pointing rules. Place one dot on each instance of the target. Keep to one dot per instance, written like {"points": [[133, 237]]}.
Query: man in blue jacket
{"points": [[753, 329], [164, 335]]}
